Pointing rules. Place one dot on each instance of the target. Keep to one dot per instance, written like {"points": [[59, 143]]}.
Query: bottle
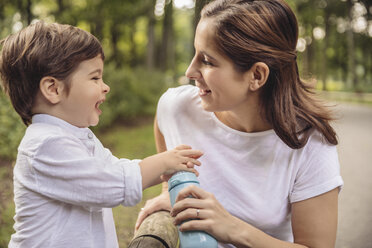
{"points": [[189, 239]]}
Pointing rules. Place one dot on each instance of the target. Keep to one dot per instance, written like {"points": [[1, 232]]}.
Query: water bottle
{"points": [[189, 239]]}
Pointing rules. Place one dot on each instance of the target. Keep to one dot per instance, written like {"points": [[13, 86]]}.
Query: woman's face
{"points": [[222, 87]]}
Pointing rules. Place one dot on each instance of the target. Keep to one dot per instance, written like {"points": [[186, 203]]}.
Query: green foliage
{"points": [[133, 93], [130, 142], [6, 203], [11, 129]]}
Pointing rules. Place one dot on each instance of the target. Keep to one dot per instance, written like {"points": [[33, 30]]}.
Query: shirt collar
{"points": [[81, 133]]}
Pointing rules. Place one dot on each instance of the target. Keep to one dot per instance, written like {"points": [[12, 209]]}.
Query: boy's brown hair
{"points": [[41, 50]]}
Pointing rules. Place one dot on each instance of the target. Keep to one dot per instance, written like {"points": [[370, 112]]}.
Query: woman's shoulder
{"points": [[179, 97], [181, 92], [318, 142]]}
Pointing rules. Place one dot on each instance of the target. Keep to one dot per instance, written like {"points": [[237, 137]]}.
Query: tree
{"points": [[167, 56], [151, 44]]}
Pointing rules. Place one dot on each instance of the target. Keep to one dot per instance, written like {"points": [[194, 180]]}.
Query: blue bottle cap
{"points": [[182, 177]]}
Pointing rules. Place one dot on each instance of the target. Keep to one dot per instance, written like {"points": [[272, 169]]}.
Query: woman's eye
{"points": [[96, 78], [206, 62]]}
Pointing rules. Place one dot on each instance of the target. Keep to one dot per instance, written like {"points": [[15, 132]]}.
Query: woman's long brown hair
{"points": [[250, 31]]}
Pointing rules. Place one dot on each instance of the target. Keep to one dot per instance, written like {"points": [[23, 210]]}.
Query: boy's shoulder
{"points": [[43, 130], [40, 133]]}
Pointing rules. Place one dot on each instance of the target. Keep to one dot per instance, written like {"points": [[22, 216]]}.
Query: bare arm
{"points": [[159, 138], [160, 147], [314, 221]]}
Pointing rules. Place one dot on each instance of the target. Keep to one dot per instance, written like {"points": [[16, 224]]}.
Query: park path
{"points": [[354, 129]]}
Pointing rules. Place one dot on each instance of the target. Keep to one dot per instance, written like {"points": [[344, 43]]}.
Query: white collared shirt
{"points": [[65, 184]]}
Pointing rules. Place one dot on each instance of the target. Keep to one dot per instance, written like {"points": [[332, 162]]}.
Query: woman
{"points": [[270, 175]]}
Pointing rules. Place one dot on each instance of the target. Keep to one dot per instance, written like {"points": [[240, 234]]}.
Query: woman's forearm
{"points": [[244, 235]]}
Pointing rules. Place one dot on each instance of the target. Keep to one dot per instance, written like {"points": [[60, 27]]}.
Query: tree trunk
{"points": [[324, 48], [25, 10], [115, 56], [310, 56], [150, 52], [97, 24], [133, 52], [28, 11], [167, 48], [351, 47]]}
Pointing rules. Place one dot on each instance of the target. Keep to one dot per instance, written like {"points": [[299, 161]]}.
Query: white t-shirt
{"points": [[65, 184], [255, 176]]}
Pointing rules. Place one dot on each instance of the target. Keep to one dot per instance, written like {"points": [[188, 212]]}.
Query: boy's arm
{"points": [[64, 170]]}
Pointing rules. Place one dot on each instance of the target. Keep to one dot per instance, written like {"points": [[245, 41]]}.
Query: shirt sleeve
{"points": [[64, 170], [319, 171], [163, 109], [172, 104]]}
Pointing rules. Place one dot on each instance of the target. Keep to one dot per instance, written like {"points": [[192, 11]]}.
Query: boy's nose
{"points": [[106, 88]]}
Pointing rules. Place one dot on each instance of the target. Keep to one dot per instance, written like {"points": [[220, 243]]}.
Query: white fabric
{"points": [[255, 176], [65, 184]]}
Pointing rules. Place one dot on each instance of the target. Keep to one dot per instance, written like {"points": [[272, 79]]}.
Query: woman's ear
{"points": [[51, 88], [259, 73]]}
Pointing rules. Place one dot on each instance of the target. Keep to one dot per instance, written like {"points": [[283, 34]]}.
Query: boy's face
{"points": [[87, 91]]}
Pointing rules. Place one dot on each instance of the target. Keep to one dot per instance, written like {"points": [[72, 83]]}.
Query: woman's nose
{"points": [[192, 71]]}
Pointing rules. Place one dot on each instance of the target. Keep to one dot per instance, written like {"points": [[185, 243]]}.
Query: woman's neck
{"points": [[248, 120]]}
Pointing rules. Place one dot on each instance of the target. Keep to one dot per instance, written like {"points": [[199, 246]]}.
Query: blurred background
{"points": [[148, 45]]}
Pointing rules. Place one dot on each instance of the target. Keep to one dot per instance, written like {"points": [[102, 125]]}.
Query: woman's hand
{"points": [[204, 213], [161, 202]]}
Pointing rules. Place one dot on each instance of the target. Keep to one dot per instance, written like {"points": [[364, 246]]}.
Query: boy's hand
{"points": [[181, 158]]}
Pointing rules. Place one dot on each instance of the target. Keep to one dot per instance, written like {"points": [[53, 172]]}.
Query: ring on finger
{"points": [[197, 213]]}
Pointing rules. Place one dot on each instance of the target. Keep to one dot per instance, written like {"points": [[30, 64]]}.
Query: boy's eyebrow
{"points": [[98, 70]]}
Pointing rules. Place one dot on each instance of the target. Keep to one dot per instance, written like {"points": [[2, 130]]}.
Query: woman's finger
{"points": [[141, 216], [190, 214], [197, 224], [186, 204], [192, 190]]}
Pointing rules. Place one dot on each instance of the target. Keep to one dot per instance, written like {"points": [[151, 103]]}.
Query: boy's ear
{"points": [[51, 88], [259, 73]]}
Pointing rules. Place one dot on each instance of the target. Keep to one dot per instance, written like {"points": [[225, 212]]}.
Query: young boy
{"points": [[65, 181]]}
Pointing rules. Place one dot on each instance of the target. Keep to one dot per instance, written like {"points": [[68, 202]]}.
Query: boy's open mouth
{"points": [[98, 104]]}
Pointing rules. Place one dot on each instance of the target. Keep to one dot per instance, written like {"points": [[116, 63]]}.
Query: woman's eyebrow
{"points": [[206, 54]]}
